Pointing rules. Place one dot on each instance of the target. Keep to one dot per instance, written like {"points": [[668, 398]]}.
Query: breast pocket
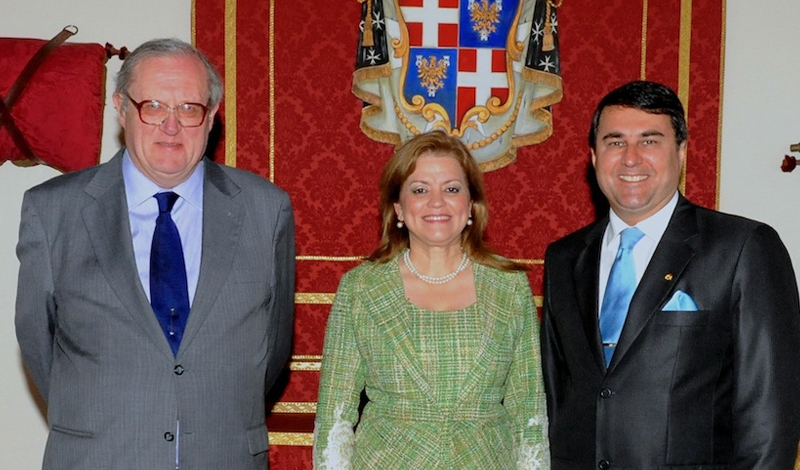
{"points": [[683, 318]]}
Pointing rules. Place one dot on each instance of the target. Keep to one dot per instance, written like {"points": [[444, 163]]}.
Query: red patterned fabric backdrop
{"points": [[290, 116]]}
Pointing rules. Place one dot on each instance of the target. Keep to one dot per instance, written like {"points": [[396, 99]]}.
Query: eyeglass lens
{"points": [[188, 114]]}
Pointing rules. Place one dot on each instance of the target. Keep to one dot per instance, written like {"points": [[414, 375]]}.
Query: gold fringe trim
{"points": [[377, 135], [545, 78], [504, 160], [371, 73]]}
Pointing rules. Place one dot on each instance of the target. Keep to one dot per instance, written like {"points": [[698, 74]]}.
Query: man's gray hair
{"points": [[168, 48]]}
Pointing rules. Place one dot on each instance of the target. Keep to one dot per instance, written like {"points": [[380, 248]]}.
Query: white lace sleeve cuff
{"points": [[338, 451]]}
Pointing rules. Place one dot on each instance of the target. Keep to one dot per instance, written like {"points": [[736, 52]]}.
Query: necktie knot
{"points": [[165, 201], [630, 237]]}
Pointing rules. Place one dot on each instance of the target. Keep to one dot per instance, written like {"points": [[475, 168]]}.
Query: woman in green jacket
{"points": [[440, 332]]}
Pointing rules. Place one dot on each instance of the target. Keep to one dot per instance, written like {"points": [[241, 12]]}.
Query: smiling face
{"points": [[435, 202], [637, 161], [168, 153]]}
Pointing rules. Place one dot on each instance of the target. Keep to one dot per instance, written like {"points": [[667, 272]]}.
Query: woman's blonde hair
{"points": [[401, 166]]}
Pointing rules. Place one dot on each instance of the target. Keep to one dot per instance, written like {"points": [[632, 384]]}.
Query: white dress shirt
{"points": [[187, 214], [653, 228]]}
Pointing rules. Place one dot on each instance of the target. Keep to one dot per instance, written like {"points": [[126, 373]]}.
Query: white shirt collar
{"points": [[139, 188], [653, 227]]}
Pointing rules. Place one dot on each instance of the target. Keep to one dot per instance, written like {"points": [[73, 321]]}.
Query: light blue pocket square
{"points": [[680, 301]]}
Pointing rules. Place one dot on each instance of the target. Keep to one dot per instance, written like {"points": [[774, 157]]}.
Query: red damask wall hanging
{"points": [[290, 115]]}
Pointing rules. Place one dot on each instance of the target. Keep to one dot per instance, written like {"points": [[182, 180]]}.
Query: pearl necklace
{"points": [[435, 280]]}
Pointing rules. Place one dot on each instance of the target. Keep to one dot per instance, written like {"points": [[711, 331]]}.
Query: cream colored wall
{"points": [[761, 115], [122, 23], [761, 118]]}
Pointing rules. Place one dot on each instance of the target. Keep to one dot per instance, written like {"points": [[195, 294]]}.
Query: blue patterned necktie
{"points": [[169, 294], [619, 291]]}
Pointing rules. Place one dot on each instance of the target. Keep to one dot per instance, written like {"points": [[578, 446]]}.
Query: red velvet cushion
{"points": [[60, 111]]}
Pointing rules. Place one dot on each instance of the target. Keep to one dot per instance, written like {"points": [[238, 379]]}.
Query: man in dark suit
{"points": [[155, 297], [705, 372]]}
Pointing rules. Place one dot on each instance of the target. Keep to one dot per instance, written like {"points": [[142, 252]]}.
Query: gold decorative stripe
{"points": [[329, 258], [528, 261], [643, 64], [291, 439], [684, 57], [684, 68], [303, 407], [721, 90], [305, 366], [306, 357], [230, 82], [305, 363], [272, 90], [362, 258], [194, 23], [308, 298]]}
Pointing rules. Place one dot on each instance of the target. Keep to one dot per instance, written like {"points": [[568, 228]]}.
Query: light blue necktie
{"points": [[169, 294], [619, 291]]}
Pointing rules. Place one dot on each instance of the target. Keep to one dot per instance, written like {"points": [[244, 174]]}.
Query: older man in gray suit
{"points": [[148, 360]]}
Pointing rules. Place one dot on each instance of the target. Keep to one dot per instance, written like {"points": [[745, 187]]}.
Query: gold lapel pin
{"points": [[668, 277]]}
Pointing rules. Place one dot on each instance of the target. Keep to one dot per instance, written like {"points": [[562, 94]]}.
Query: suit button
{"points": [[178, 370], [169, 437], [605, 393], [604, 465]]}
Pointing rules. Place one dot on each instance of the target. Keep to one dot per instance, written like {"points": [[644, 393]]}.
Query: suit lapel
{"points": [[223, 218], [669, 261], [106, 221], [585, 276], [488, 304], [386, 300]]}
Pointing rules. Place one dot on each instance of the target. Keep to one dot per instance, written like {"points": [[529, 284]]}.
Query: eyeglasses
{"points": [[154, 112]]}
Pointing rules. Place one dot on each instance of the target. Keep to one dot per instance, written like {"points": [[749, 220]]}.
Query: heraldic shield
{"points": [[486, 71]]}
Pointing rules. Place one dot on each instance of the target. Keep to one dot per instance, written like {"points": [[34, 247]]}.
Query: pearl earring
{"points": [[469, 221], [399, 224]]}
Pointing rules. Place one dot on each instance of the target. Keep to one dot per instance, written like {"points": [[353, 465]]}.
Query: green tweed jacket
{"points": [[446, 390]]}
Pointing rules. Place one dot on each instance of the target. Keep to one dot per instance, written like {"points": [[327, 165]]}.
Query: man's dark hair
{"points": [[650, 97]]}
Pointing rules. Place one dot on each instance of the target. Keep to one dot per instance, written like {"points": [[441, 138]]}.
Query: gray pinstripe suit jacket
{"points": [[97, 354]]}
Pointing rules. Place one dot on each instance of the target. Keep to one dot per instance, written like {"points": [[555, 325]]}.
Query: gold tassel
{"points": [[548, 41], [367, 39]]}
